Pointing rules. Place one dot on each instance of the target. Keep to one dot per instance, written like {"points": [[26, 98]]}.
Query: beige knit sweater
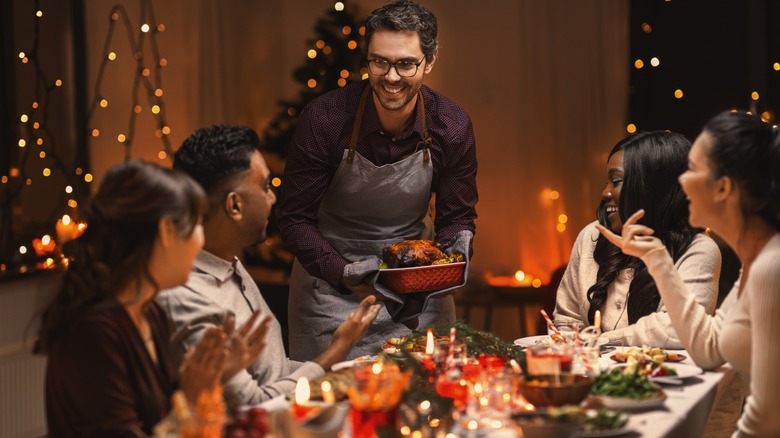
{"points": [[698, 267], [745, 331]]}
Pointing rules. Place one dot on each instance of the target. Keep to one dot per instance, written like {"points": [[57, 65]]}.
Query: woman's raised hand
{"points": [[202, 366], [635, 240]]}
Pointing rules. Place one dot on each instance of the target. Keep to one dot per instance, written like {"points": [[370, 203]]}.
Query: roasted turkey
{"points": [[409, 253]]}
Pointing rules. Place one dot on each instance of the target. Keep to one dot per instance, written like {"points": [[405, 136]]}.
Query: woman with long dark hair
{"points": [[110, 370], [641, 173], [733, 183]]}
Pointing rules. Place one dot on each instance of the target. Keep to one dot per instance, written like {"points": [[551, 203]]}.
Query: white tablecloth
{"points": [[685, 411]]}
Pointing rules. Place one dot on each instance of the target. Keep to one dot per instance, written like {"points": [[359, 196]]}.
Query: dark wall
{"points": [[717, 52]]}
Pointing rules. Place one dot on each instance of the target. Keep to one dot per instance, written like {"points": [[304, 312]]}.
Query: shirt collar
{"points": [[217, 267]]}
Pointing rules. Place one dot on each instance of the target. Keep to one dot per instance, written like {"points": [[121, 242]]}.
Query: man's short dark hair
{"points": [[405, 15], [216, 153]]}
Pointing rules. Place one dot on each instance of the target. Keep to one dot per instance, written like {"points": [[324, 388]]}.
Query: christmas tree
{"points": [[333, 59]]}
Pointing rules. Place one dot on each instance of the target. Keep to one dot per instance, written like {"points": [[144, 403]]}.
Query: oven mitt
{"points": [[367, 271], [406, 308]]}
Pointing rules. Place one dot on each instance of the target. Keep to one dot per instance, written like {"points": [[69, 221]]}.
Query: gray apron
{"points": [[365, 208]]}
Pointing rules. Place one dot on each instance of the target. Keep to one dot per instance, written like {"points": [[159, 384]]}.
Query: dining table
{"points": [[684, 412], [686, 409]]}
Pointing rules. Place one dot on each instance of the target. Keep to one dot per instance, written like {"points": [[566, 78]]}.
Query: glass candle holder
{"points": [[549, 359]]}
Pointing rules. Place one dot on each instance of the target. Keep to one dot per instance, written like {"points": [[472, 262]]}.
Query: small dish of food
{"points": [[655, 354], [621, 388]]}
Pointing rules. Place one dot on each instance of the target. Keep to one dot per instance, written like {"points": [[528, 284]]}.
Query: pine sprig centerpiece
{"points": [[477, 342]]}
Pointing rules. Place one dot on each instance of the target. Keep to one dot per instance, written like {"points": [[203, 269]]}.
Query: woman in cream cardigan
{"points": [[733, 183], [642, 172]]}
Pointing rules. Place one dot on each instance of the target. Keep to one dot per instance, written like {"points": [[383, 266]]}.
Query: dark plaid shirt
{"points": [[322, 135]]}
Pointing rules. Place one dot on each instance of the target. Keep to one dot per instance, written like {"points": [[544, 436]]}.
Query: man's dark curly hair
{"points": [[216, 154]]}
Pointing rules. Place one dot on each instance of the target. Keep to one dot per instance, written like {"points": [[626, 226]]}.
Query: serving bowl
{"points": [[422, 278], [556, 390]]}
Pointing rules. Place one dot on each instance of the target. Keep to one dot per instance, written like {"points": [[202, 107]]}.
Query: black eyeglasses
{"points": [[405, 69]]}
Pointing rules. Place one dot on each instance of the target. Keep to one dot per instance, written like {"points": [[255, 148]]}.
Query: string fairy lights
{"points": [[38, 164], [673, 75], [37, 159], [148, 76]]}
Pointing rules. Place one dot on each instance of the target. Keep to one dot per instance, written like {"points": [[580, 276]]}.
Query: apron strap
{"points": [[426, 139], [356, 127]]}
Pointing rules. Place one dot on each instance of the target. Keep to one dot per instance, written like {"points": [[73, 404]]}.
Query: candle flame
{"points": [[376, 368], [597, 319], [302, 391], [429, 343], [327, 392], [519, 275], [46, 239], [65, 219]]}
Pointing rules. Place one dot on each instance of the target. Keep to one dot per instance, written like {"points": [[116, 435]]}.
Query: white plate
{"points": [[531, 341], [353, 362], [631, 403], [683, 371]]}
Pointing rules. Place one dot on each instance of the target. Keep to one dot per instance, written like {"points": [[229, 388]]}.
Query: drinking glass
{"points": [[569, 330], [549, 359]]}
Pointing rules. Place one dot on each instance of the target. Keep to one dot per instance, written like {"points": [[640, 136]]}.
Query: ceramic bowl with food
{"points": [[556, 390]]}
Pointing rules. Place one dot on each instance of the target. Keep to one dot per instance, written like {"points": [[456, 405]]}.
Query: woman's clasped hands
{"points": [[221, 354]]}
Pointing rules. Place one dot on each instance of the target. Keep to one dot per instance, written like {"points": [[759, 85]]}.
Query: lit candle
{"points": [[302, 391], [66, 229], [518, 279], [597, 320], [428, 364], [327, 393], [301, 409], [44, 245]]}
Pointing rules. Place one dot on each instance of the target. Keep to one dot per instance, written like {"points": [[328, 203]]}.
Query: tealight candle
{"points": [[65, 228], [68, 229], [44, 245]]}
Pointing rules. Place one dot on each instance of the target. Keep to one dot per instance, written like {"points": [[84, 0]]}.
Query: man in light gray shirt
{"points": [[227, 162]]}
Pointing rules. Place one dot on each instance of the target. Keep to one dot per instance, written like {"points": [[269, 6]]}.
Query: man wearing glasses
{"points": [[362, 168]]}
